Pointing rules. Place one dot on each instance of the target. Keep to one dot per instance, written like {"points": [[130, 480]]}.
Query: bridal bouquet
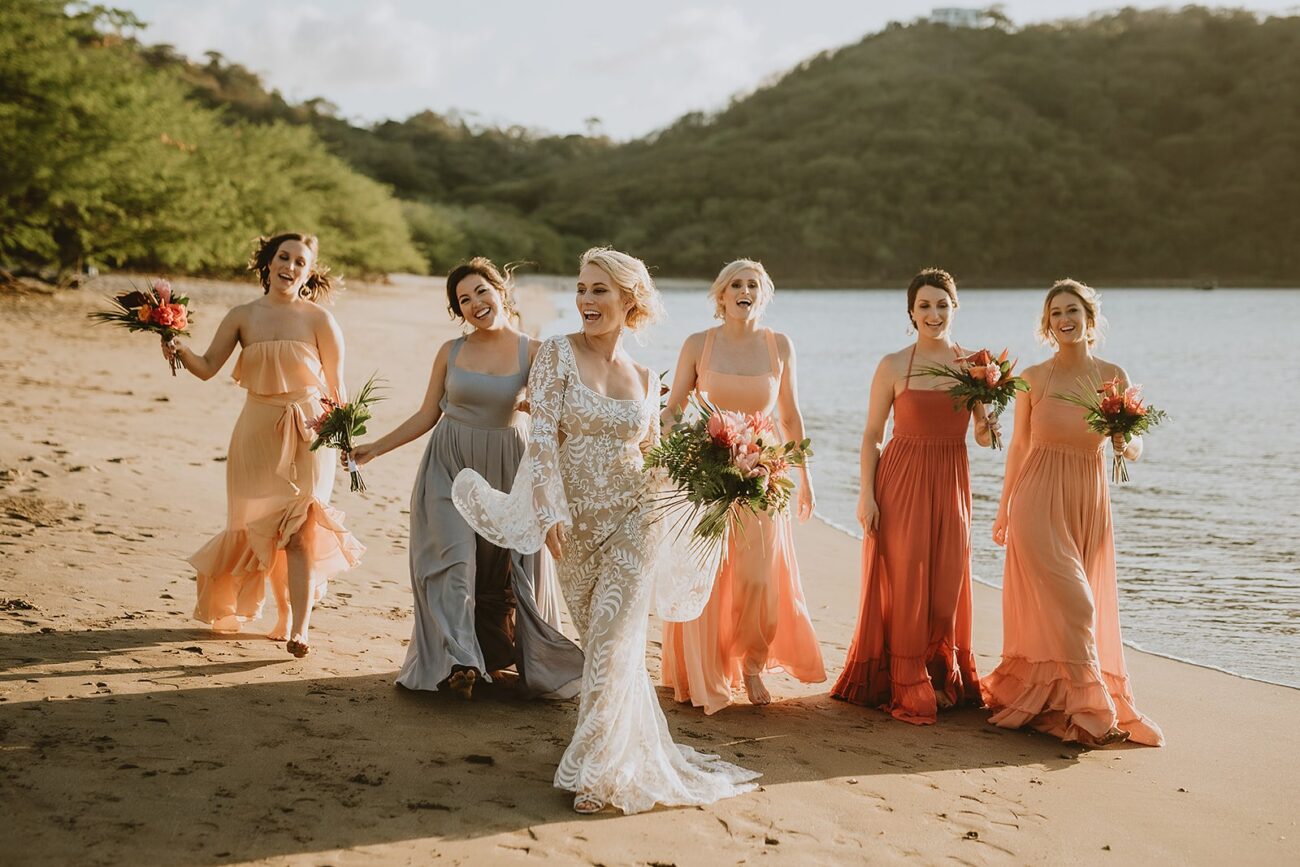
{"points": [[979, 378], [156, 309], [1112, 410], [341, 423], [722, 461]]}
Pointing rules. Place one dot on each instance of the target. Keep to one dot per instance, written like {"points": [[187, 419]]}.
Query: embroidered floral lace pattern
{"points": [[583, 470]]}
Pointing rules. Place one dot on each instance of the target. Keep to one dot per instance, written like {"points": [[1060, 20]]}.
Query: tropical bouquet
{"points": [[1112, 409], [720, 462], [341, 423], [980, 379], [156, 309]]}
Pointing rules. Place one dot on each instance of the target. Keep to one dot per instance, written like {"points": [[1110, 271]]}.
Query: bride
{"points": [[581, 491]]}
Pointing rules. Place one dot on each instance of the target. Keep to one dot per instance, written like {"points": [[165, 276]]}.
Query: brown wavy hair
{"points": [[935, 277], [320, 286], [502, 280]]}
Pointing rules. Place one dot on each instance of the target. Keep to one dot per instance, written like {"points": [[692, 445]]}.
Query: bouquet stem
{"points": [[990, 416], [1118, 469], [358, 484]]}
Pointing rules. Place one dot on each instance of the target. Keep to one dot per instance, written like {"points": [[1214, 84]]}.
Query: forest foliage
{"points": [[1128, 146]]}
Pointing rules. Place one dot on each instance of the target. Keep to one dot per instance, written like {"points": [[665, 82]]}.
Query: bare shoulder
{"points": [[1035, 374], [533, 346], [784, 345], [895, 363], [1110, 370], [695, 343]]}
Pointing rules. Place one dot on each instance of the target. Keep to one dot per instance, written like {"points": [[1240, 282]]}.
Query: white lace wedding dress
{"points": [[584, 470]]}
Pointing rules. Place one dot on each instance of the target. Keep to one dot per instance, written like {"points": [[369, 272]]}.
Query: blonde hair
{"points": [[633, 280], [1091, 302], [765, 287]]}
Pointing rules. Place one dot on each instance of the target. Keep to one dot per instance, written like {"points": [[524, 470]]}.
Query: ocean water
{"points": [[1208, 530]]}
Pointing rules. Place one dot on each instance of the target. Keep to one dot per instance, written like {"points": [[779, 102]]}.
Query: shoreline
{"points": [[128, 733], [1208, 666]]}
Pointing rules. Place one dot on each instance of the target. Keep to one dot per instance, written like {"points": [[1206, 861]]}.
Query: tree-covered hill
{"points": [[1131, 146]]}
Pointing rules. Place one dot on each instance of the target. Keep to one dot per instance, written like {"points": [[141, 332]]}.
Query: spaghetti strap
{"points": [[907, 380], [773, 358], [708, 350], [1050, 371], [454, 351]]}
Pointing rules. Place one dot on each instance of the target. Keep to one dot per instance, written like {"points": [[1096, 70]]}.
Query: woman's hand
{"points": [[361, 455], [171, 348], [1000, 528], [807, 500], [524, 406], [868, 514], [1120, 444], [555, 541], [988, 430]]}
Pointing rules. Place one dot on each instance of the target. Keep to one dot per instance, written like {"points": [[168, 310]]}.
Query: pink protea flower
{"points": [[164, 290], [1133, 401], [993, 374], [719, 431]]}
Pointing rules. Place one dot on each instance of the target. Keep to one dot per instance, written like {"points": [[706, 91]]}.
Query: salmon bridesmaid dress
{"points": [[274, 486], [1062, 669], [756, 619], [913, 640]]}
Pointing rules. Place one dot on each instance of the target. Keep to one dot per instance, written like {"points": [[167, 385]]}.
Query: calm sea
{"points": [[1207, 531]]}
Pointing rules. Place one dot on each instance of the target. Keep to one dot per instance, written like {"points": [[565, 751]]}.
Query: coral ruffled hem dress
{"points": [[1062, 669], [275, 487]]}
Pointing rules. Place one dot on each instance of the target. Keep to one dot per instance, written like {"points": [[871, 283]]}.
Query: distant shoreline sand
{"points": [[129, 734]]}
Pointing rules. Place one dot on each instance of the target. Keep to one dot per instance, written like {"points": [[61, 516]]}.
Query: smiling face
{"points": [[480, 303], [932, 312], [1067, 319], [601, 304], [742, 297], [290, 267]]}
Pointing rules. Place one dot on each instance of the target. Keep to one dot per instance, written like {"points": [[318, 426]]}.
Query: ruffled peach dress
{"points": [[1062, 669], [756, 618], [274, 486], [914, 629]]}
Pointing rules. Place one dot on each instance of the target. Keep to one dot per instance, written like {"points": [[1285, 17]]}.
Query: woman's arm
{"points": [[873, 437], [791, 420], [223, 343], [683, 379], [1017, 451], [420, 422], [329, 342]]}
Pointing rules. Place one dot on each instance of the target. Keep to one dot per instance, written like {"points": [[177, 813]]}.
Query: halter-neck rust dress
{"points": [[477, 604], [756, 618], [914, 631], [275, 486], [1062, 669]]}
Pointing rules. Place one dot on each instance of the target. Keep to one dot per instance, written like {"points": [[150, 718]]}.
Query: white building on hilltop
{"points": [[955, 16]]}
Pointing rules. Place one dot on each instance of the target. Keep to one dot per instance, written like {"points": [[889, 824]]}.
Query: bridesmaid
{"points": [[756, 618], [279, 522], [911, 654], [1062, 669], [476, 606]]}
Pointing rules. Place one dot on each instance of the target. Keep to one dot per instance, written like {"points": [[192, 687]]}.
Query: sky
{"points": [[550, 65]]}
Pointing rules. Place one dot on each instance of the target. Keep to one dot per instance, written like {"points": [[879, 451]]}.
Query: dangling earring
{"points": [[911, 326]]}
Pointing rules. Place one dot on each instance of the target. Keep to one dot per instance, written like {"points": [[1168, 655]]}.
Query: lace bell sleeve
{"points": [[536, 502]]}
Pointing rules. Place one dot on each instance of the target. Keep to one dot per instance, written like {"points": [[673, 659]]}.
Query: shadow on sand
{"points": [[241, 771]]}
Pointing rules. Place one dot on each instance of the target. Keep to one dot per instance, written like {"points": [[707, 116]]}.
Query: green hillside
{"points": [[1134, 146]]}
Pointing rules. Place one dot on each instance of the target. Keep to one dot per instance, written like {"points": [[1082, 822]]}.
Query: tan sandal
{"points": [[587, 804]]}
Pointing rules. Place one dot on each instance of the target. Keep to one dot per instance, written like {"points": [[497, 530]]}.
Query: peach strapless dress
{"points": [[274, 486], [756, 618], [1062, 669], [914, 629]]}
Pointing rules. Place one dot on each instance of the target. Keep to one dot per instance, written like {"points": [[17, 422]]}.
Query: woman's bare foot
{"points": [[298, 648], [587, 803], [462, 682], [229, 623], [756, 691], [1114, 736], [943, 701], [281, 629]]}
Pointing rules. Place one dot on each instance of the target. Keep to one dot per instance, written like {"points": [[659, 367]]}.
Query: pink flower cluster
{"points": [[744, 436], [164, 313], [982, 365], [1115, 402]]}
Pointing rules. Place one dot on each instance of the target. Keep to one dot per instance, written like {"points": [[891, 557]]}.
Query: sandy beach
{"points": [[131, 735]]}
